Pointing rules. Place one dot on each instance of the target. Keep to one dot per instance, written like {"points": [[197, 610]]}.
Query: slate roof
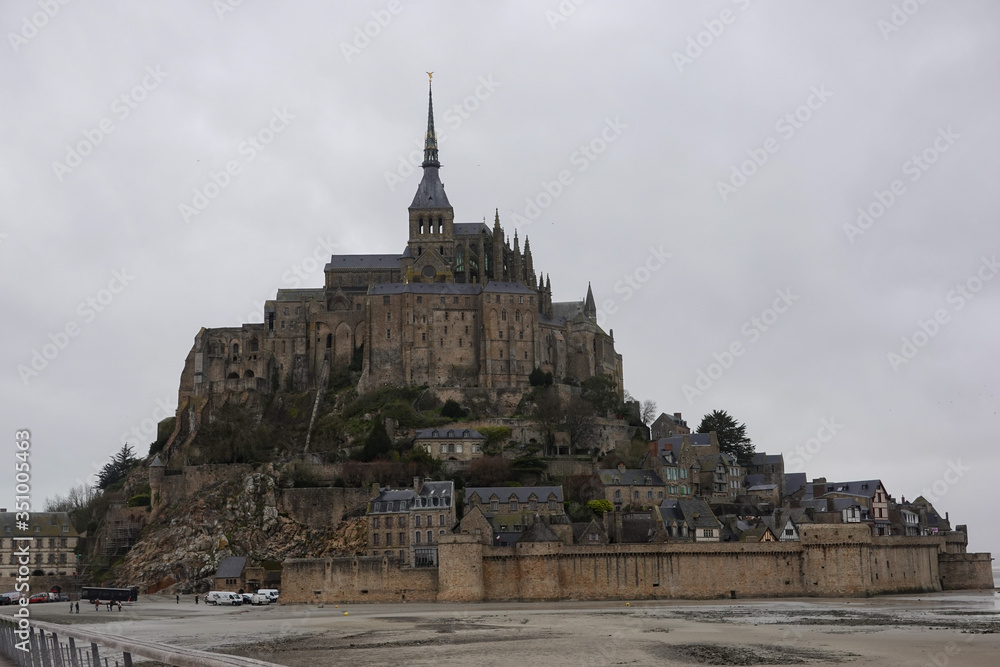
{"points": [[231, 567], [363, 262], [862, 488], [638, 528], [430, 192], [391, 500], [522, 493], [301, 294], [437, 489], [753, 480], [567, 310], [694, 511], [674, 442], [794, 481], [582, 528], [470, 228], [49, 524], [449, 434], [539, 532], [629, 477], [507, 288], [760, 459], [762, 487]]}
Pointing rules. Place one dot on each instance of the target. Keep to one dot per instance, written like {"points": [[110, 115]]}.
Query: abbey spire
{"points": [[430, 192]]}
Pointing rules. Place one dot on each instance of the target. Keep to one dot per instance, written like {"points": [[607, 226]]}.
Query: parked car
{"points": [[258, 599], [38, 597], [246, 598], [235, 599], [64, 597]]}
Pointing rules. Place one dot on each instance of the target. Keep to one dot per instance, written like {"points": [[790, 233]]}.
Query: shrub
{"points": [[539, 378], [139, 500], [452, 410]]}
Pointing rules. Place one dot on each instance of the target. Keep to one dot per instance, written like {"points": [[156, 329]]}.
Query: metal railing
{"points": [[54, 645]]}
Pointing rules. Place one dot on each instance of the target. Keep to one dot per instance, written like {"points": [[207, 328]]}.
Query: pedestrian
{"points": [[71, 607], [178, 599], [119, 605], [196, 599], [78, 607]]}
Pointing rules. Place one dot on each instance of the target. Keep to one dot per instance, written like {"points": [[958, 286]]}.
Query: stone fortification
{"points": [[830, 561]]}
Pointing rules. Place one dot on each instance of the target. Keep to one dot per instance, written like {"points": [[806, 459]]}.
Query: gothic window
{"points": [[440, 225], [501, 334], [459, 259], [517, 315], [421, 227]]}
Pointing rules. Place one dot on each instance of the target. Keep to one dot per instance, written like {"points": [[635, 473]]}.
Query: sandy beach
{"points": [[931, 629]]}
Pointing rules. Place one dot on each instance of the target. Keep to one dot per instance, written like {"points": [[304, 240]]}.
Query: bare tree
{"points": [[648, 412]]}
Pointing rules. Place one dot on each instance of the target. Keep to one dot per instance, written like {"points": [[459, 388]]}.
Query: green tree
{"points": [[119, 466], [600, 506], [732, 435], [378, 444], [538, 378], [601, 392]]}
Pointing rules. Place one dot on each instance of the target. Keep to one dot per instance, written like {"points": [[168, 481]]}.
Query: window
{"points": [[402, 541], [416, 522], [458, 448], [388, 522], [709, 532], [375, 539], [385, 300], [423, 337], [513, 504], [494, 505], [388, 334], [375, 522], [790, 532], [444, 448], [430, 537], [388, 539], [402, 522], [420, 299], [441, 520], [388, 317], [416, 537]]}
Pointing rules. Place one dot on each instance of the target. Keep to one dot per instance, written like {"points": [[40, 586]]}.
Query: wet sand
{"points": [[941, 628]]}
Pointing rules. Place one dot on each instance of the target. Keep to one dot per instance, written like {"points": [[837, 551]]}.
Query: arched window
{"points": [[329, 341], [440, 225], [254, 345]]}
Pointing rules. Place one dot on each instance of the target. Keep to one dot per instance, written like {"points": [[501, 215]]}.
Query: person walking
{"points": [[178, 599], [196, 599], [119, 605], [78, 607]]}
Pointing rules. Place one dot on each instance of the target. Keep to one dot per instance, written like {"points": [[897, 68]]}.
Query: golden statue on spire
{"points": [[430, 76]]}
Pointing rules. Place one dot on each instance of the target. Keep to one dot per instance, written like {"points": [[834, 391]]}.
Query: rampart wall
{"points": [[830, 561], [321, 506], [966, 571]]}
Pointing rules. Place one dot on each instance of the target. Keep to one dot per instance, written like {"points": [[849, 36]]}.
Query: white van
{"points": [[259, 599], [272, 593], [219, 597]]}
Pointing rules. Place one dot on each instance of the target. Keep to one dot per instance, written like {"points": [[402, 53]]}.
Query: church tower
{"points": [[432, 219]]}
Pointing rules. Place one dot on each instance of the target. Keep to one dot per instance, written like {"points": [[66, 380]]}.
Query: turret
{"points": [[589, 307]]}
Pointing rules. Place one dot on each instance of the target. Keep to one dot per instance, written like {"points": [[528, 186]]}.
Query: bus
{"points": [[92, 593]]}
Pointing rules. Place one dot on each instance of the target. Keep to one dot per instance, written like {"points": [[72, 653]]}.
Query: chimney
{"points": [[677, 417], [416, 484], [3, 509], [621, 467]]}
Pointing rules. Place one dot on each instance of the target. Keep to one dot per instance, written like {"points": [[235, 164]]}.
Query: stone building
{"points": [[453, 444], [666, 426], [460, 306], [405, 524], [629, 488], [51, 547]]}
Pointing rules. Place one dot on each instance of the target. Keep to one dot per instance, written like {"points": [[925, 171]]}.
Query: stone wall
{"points": [[330, 580], [829, 561], [321, 507], [965, 571]]}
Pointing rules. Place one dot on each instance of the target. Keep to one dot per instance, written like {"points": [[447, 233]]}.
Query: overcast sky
{"points": [[700, 164]]}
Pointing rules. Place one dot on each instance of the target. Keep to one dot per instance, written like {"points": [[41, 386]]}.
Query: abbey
{"points": [[459, 307]]}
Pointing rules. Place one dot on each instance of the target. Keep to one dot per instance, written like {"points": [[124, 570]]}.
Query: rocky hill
{"points": [[183, 544]]}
